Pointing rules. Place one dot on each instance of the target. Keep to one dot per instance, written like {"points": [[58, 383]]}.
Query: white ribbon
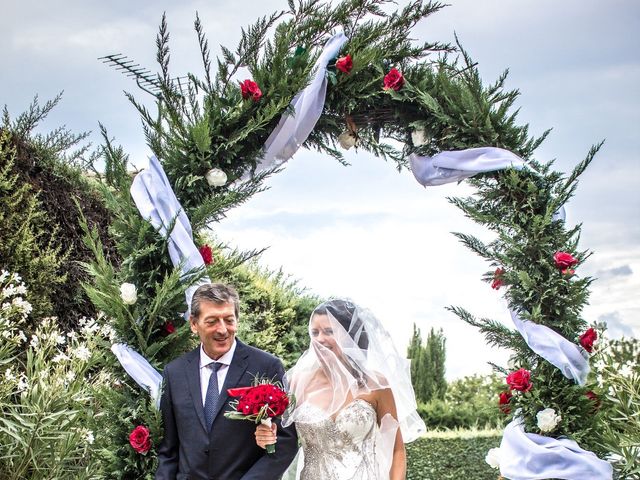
{"points": [[294, 128], [554, 348], [139, 369], [455, 166], [529, 456], [560, 214], [157, 203]]}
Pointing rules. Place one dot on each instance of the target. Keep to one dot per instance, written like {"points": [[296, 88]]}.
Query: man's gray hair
{"points": [[216, 293]]}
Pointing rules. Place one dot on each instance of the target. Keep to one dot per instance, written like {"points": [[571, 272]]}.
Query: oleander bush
{"points": [[47, 380], [617, 396]]}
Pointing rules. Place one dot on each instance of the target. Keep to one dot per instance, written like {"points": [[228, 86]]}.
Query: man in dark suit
{"points": [[199, 442]]}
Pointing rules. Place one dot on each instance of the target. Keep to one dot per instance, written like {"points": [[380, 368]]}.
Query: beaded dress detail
{"points": [[340, 449]]}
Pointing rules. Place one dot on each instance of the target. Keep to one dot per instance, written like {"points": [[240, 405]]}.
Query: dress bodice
{"points": [[343, 448]]}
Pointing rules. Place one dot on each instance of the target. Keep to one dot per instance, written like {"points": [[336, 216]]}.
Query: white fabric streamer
{"points": [[560, 214], [157, 203], [529, 456], [294, 128], [554, 348], [455, 166], [139, 369]]}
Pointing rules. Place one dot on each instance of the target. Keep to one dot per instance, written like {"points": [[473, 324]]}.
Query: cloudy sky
{"points": [[366, 231]]}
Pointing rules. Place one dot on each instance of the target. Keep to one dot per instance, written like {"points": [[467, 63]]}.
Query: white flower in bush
{"points": [[22, 384], [347, 140], [128, 293], [88, 326], [108, 331], [35, 341], [493, 457], [60, 357], [216, 177], [548, 420], [419, 137], [83, 353], [88, 437], [626, 370]]}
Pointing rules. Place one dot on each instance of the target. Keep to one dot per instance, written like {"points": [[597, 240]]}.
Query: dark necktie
{"points": [[211, 400]]}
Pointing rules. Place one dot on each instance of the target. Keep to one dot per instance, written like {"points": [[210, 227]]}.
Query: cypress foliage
{"points": [[519, 207], [428, 365], [42, 238], [25, 245]]}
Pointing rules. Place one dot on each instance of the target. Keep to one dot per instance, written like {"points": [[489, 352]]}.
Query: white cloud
{"points": [[112, 37]]}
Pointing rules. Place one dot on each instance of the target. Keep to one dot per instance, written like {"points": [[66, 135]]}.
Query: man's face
{"points": [[216, 326]]}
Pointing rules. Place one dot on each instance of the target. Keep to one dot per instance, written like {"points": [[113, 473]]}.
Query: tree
{"points": [[427, 365]]}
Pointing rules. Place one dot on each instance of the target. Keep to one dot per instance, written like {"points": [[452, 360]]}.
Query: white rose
{"points": [[419, 137], [548, 420], [128, 293], [347, 140], [493, 458], [216, 177]]}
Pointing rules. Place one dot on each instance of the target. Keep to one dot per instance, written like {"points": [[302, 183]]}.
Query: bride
{"points": [[355, 406]]}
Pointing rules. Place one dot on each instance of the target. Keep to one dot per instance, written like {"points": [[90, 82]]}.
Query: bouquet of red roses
{"points": [[260, 403]]}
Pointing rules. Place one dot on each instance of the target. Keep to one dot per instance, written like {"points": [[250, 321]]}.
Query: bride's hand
{"points": [[265, 435]]}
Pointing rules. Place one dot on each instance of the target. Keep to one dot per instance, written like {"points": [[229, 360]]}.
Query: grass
{"points": [[457, 454]]}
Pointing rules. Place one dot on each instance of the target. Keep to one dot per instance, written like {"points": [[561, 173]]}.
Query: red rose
{"points": [[250, 89], [564, 261], [497, 279], [207, 254], [594, 398], [520, 380], [139, 439], [344, 64], [588, 338], [168, 328], [504, 400], [393, 80]]}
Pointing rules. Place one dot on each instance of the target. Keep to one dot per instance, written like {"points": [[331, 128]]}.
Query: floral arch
{"points": [[322, 76]]}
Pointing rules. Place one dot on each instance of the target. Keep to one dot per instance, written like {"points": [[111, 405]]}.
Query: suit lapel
{"points": [[238, 366], [193, 379]]}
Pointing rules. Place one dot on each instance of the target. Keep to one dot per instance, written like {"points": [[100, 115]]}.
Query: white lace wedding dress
{"points": [[341, 449]]}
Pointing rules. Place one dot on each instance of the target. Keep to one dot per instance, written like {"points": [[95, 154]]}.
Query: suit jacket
{"points": [[229, 452]]}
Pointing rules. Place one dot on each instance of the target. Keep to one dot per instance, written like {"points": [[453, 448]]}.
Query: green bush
{"points": [[42, 190], [470, 402], [451, 457], [617, 398], [25, 244]]}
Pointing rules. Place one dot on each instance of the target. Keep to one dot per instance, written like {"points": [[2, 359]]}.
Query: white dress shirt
{"points": [[205, 371]]}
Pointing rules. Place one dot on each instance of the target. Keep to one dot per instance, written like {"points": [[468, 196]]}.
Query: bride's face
{"points": [[322, 333]]}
